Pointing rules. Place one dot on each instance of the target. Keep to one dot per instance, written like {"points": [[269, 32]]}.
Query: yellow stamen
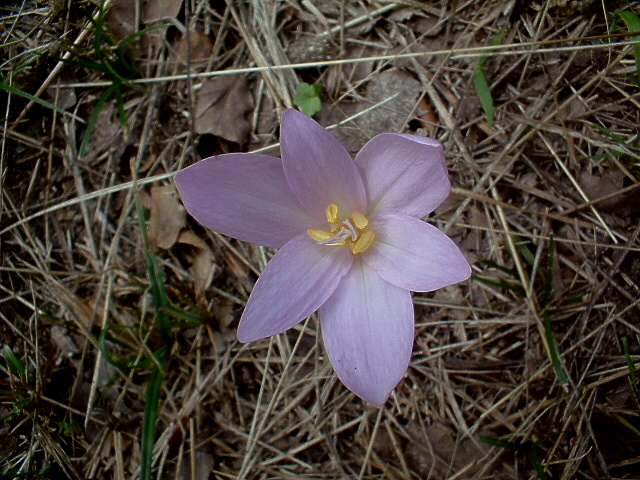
{"points": [[363, 243], [332, 213], [359, 220], [318, 235]]}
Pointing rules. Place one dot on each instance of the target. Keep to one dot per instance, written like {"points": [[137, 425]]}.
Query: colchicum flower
{"points": [[351, 239]]}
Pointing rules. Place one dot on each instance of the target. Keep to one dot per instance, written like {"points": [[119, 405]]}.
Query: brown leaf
{"points": [[189, 238], [121, 18], [203, 266], [396, 88], [597, 186], [197, 45], [428, 119], [105, 133], [222, 108], [203, 466], [160, 9], [167, 216]]}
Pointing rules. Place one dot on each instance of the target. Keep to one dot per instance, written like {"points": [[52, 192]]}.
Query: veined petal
{"points": [[297, 280], [318, 168], [403, 173], [412, 254], [368, 328], [245, 196]]}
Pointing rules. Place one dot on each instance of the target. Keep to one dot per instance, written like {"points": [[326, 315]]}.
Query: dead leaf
{"points": [[203, 466], [446, 454], [453, 296], [121, 18], [189, 238], [224, 314], [167, 216], [161, 9], [64, 342], [399, 92], [239, 270], [222, 108], [105, 133], [428, 119], [203, 266], [597, 186], [197, 45], [64, 98]]}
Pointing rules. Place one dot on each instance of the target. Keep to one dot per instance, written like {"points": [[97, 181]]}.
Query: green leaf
{"points": [[633, 25], [308, 98], [69, 429], [483, 90]]}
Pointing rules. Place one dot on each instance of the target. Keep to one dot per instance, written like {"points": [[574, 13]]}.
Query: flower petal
{"points": [[367, 326], [412, 254], [297, 280], [318, 168], [245, 196], [403, 173]]}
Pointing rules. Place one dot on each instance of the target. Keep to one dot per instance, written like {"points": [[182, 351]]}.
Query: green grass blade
{"points": [[512, 272], [481, 84], [135, 35], [93, 120], [483, 90], [150, 420], [13, 363], [633, 25], [189, 319], [82, 63], [494, 442], [120, 103], [16, 91], [630, 365], [156, 280], [499, 284], [521, 246], [563, 378], [627, 424], [537, 464], [551, 259]]}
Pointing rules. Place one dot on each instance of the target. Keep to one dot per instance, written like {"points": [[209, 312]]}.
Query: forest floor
{"points": [[118, 313]]}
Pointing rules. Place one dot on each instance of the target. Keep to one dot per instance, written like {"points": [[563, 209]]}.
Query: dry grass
{"points": [[545, 206]]}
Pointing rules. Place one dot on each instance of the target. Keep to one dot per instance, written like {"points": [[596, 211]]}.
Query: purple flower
{"points": [[351, 241]]}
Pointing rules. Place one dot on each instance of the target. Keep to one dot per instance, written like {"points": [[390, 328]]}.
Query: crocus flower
{"points": [[351, 239]]}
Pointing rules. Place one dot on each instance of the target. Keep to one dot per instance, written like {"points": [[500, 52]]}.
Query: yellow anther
{"points": [[359, 220], [332, 213], [318, 235], [363, 243]]}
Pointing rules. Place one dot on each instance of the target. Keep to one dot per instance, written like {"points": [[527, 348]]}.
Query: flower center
{"points": [[351, 231]]}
